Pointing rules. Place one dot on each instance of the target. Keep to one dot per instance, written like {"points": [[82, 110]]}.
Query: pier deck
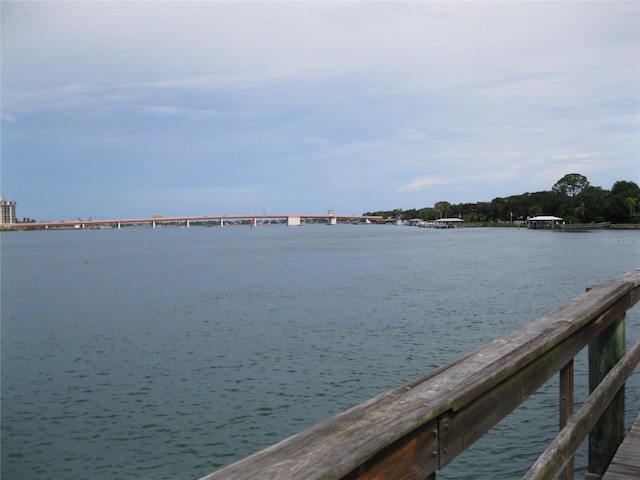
{"points": [[626, 462]]}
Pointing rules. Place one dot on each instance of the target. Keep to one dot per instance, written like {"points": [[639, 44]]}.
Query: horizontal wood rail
{"points": [[559, 452], [414, 430]]}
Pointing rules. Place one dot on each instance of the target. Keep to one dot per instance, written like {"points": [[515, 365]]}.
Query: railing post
{"points": [[604, 352], [566, 409]]}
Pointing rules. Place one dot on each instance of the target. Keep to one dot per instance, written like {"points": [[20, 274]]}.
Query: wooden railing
{"points": [[412, 431]]}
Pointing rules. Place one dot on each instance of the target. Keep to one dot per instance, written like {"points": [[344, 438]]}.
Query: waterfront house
{"points": [[448, 222], [544, 222]]}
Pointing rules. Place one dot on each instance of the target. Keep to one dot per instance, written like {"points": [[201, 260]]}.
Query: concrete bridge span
{"points": [[153, 221]]}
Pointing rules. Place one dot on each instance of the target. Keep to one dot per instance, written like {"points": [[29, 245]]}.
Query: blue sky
{"points": [[124, 109]]}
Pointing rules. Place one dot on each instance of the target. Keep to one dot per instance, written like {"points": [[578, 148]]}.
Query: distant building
{"points": [[8, 211], [448, 222], [544, 222]]}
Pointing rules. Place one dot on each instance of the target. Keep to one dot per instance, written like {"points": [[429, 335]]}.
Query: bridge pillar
{"points": [[293, 221], [118, 225], [221, 222], [333, 221], [153, 224], [188, 225]]}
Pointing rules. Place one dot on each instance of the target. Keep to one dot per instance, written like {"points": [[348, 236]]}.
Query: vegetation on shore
{"points": [[572, 197]]}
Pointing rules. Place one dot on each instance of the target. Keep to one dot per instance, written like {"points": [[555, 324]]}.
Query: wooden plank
{"points": [[566, 411], [413, 457], [340, 445], [498, 360], [463, 427], [459, 429], [553, 460], [626, 462], [607, 434]]}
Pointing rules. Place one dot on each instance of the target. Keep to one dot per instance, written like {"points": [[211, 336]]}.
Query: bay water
{"points": [[171, 352]]}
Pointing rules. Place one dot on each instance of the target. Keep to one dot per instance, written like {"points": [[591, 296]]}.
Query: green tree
{"points": [[409, 214], [622, 210], [427, 214], [624, 187], [594, 201], [572, 197], [571, 185], [632, 203], [500, 209], [569, 191], [535, 210], [442, 208]]}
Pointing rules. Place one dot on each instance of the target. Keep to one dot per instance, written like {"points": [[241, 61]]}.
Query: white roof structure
{"points": [[449, 220], [544, 218]]}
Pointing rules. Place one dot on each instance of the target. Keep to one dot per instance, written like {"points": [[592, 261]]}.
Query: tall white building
{"points": [[8, 209]]}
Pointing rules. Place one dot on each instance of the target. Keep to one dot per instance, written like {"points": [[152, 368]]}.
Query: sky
{"points": [[127, 109]]}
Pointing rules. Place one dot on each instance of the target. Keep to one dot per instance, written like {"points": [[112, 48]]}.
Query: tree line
{"points": [[572, 197]]}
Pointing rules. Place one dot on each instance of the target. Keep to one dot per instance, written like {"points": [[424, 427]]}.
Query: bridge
{"points": [[154, 220]]}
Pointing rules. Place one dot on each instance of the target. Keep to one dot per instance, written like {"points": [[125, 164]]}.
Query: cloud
{"points": [[517, 169], [486, 178], [49, 99], [177, 111], [425, 182], [392, 100]]}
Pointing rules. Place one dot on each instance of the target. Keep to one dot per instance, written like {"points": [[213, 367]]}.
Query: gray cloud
{"points": [[411, 96]]}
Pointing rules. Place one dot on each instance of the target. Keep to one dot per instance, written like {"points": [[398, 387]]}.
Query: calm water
{"points": [[169, 353]]}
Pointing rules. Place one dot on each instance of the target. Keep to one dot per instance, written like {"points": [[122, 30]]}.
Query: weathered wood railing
{"points": [[414, 430]]}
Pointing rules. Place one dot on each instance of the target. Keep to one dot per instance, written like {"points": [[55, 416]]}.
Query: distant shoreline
{"points": [[567, 227], [625, 226]]}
